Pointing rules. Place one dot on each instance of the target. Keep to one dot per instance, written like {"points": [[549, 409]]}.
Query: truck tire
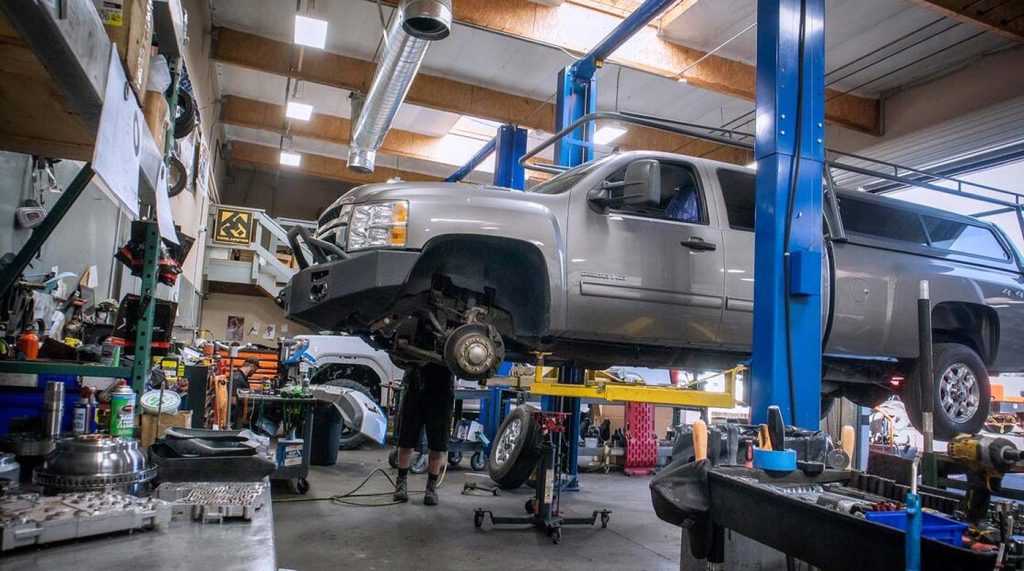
{"points": [[961, 392], [515, 450], [350, 439]]}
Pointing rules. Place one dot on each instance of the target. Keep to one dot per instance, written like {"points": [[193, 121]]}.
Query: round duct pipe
{"points": [[427, 19], [361, 160]]}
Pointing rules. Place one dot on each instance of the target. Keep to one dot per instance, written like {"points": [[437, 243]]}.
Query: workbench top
{"points": [[235, 544]]}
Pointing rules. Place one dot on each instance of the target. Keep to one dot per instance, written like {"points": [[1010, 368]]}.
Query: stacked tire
{"points": [[516, 449]]}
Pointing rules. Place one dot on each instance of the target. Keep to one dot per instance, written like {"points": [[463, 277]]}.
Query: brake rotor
{"points": [[474, 351]]}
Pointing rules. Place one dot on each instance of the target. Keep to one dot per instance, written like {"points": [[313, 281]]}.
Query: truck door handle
{"points": [[699, 245]]}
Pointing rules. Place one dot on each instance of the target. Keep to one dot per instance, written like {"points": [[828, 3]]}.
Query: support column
{"points": [[510, 146], [577, 96], [786, 364]]}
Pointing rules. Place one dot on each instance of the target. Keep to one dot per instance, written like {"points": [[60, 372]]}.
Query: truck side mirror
{"points": [[641, 186], [643, 183]]}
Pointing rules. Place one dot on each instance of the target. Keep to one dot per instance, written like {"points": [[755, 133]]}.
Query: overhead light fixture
{"points": [[752, 165], [299, 111], [290, 159], [607, 134], [310, 32]]}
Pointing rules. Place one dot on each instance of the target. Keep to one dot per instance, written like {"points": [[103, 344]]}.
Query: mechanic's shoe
{"points": [[430, 496], [401, 490]]}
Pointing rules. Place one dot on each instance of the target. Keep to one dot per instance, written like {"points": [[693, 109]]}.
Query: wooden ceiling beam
{"points": [[577, 28], [262, 54], [262, 156], [263, 116], [1003, 18]]}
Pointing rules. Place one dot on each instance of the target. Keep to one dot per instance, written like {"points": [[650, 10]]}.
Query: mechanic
{"points": [[427, 400], [240, 378]]}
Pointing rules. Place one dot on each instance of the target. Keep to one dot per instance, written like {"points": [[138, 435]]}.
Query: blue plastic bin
{"points": [[933, 526]]}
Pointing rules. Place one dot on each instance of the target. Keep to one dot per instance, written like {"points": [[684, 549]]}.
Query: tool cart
{"points": [[286, 423]]}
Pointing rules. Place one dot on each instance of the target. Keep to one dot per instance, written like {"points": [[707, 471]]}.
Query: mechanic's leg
{"points": [[438, 419], [410, 423], [405, 458], [437, 460]]}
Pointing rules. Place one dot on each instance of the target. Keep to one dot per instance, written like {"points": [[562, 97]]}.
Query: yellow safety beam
{"points": [[655, 394]]}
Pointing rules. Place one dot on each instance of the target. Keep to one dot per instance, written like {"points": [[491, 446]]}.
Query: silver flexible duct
{"points": [[417, 23]]}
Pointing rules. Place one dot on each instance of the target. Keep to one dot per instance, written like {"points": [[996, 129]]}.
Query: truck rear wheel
{"points": [[961, 393]]}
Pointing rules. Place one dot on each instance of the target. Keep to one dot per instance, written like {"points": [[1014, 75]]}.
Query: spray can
{"points": [[122, 411], [85, 413]]}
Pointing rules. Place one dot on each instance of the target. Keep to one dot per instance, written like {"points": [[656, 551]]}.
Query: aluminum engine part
{"points": [[214, 502], [10, 473], [32, 519], [94, 463]]}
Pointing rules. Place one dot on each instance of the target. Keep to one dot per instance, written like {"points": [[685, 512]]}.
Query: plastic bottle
{"points": [[28, 344], [85, 413]]}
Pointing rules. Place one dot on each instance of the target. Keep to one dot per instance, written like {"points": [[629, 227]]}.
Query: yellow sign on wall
{"points": [[233, 226]]}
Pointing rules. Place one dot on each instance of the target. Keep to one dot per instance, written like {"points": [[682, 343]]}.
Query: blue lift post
{"points": [[577, 97], [577, 85], [790, 150], [510, 146]]}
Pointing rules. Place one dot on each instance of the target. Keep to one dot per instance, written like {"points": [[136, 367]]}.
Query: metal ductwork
{"points": [[417, 23]]}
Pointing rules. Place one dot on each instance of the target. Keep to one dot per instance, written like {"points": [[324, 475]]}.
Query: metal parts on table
{"points": [[32, 519], [95, 463], [214, 502]]}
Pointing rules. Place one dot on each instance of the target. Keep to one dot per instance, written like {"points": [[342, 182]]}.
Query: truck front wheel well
{"points": [[361, 374], [513, 269], [970, 324]]}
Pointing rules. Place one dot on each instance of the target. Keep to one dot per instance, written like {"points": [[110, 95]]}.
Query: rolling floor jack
{"points": [[543, 508]]}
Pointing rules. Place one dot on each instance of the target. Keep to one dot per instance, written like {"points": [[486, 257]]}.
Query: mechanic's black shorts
{"points": [[427, 400]]}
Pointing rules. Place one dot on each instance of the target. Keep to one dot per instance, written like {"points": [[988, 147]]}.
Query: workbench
{"points": [[235, 544]]}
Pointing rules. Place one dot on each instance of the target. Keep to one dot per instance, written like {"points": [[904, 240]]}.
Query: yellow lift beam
{"points": [[615, 390]]}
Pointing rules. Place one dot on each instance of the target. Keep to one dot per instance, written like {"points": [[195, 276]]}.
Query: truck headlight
{"points": [[378, 225]]}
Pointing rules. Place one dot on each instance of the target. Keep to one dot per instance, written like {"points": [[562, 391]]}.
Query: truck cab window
{"points": [[681, 197], [738, 190]]}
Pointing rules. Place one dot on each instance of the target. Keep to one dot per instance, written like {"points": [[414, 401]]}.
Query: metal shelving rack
{"points": [[62, 50]]}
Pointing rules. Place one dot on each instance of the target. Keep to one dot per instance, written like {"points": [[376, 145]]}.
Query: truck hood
{"points": [[433, 190]]}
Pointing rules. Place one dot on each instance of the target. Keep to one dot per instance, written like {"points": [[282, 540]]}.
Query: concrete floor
{"points": [[314, 535]]}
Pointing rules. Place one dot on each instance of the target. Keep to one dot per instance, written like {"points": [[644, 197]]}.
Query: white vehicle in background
{"points": [[345, 361]]}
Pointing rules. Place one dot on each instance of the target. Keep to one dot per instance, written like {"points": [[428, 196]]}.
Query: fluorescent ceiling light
{"points": [[310, 32], [607, 134], [290, 159], [300, 111]]}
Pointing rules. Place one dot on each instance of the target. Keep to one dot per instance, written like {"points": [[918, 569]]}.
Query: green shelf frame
{"points": [[63, 368]]}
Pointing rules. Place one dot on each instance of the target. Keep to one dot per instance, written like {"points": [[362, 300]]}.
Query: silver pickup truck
{"points": [[646, 258]]}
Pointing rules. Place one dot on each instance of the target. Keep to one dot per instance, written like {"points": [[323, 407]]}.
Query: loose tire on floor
{"points": [[961, 392], [515, 450]]}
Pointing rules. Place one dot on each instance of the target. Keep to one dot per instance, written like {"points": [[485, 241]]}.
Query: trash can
{"points": [[326, 435]]}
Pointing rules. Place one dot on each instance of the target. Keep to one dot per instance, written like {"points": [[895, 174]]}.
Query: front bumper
{"points": [[348, 294]]}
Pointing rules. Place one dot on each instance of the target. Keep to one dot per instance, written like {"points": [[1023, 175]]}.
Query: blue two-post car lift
{"points": [[790, 152]]}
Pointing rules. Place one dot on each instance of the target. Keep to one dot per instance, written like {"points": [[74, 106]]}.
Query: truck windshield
{"points": [[569, 178]]}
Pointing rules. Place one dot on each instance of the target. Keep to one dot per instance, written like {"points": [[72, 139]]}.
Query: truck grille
{"points": [[333, 226]]}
